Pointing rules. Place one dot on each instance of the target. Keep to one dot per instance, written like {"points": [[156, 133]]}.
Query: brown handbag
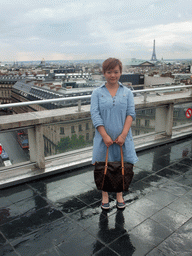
{"points": [[113, 176]]}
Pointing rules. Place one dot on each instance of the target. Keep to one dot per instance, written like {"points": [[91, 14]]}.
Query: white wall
{"points": [[153, 80]]}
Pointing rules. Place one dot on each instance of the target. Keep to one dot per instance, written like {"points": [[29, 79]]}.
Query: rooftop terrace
{"points": [[61, 214]]}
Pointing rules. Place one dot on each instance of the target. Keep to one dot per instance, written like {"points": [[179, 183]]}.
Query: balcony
{"points": [[164, 121], [54, 207], [61, 214]]}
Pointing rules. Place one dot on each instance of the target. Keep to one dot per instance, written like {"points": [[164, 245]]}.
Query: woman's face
{"points": [[112, 75]]}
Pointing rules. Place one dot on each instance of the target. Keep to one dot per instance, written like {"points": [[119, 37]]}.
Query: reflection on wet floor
{"points": [[61, 215]]}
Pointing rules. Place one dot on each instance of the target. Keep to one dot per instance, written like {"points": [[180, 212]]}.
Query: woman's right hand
{"points": [[107, 140]]}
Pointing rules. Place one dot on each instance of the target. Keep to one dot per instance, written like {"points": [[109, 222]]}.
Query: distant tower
{"points": [[153, 58], [42, 62]]}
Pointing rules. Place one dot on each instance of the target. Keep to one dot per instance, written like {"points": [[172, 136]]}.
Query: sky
{"points": [[32, 30]]}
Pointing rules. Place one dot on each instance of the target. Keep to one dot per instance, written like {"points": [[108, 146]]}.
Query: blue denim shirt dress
{"points": [[111, 112]]}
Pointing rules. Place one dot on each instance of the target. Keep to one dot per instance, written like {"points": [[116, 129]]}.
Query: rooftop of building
{"points": [[61, 214]]}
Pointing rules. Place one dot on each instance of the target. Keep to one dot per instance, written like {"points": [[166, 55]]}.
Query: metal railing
{"points": [[144, 92], [34, 122]]}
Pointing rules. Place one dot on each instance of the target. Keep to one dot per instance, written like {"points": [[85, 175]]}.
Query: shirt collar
{"points": [[120, 84]]}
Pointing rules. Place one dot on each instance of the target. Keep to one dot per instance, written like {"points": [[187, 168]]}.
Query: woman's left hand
{"points": [[120, 140]]}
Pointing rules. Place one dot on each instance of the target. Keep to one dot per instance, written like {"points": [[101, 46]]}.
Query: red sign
{"points": [[1, 149], [188, 113]]}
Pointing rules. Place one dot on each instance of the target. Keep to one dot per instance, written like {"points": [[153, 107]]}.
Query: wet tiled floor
{"points": [[61, 215]]}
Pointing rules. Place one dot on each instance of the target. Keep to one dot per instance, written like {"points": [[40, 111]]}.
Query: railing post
{"points": [[145, 96], [190, 90], [36, 146], [169, 124], [79, 105], [164, 119]]}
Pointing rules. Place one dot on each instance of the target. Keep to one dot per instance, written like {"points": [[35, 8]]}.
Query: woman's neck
{"points": [[112, 88]]}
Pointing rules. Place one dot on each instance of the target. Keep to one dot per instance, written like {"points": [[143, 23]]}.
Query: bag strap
{"points": [[107, 153], [106, 166], [122, 167], [122, 162], [106, 161]]}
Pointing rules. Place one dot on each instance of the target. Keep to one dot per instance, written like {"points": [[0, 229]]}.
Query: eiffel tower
{"points": [[153, 58]]}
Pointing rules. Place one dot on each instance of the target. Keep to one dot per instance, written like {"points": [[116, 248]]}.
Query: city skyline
{"points": [[78, 30]]}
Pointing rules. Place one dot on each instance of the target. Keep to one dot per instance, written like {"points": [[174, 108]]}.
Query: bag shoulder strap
{"points": [[122, 162], [106, 166], [106, 160]]}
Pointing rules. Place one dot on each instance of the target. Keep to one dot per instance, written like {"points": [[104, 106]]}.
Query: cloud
{"points": [[87, 29], [131, 40]]}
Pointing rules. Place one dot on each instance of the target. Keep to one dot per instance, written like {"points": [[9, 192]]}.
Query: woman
{"points": [[112, 113]]}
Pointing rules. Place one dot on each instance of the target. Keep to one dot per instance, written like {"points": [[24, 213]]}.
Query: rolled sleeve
{"points": [[130, 105], [95, 112]]}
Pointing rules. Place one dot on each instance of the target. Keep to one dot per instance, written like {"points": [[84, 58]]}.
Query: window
{"points": [[150, 112], [143, 112], [80, 128], [138, 121], [175, 113], [137, 132], [87, 126], [146, 123], [62, 131], [72, 129], [87, 136]]}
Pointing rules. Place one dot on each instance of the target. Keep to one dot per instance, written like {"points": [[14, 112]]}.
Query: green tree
{"points": [[81, 140], [64, 144], [74, 141]]}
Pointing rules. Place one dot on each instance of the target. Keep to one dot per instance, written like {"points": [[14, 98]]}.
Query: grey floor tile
{"points": [[168, 173], [180, 242], [4, 201], [90, 197], [141, 188], [183, 206], [185, 179], [127, 219], [87, 216], [175, 188], [31, 204], [2, 240], [140, 174], [16, 228], [81, 244], [109, 228], [156, 252], [127, 245], [18, 193], [52, 252], [106, 252], [45, 238], [186, 161], [69, 204], [151, 231], [162, 197], [145, 207], [9, 213], [169, 218], [7, 250], [179, 167], [155, 180]]}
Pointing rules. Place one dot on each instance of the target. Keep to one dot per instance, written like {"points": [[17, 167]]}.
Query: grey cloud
{"points": [[93, 28]]}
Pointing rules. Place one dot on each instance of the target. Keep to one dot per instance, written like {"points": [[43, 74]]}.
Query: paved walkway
{"points": [[61, 215]]}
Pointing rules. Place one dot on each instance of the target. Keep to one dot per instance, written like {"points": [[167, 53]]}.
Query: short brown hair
{"points": [[110, 64]]}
